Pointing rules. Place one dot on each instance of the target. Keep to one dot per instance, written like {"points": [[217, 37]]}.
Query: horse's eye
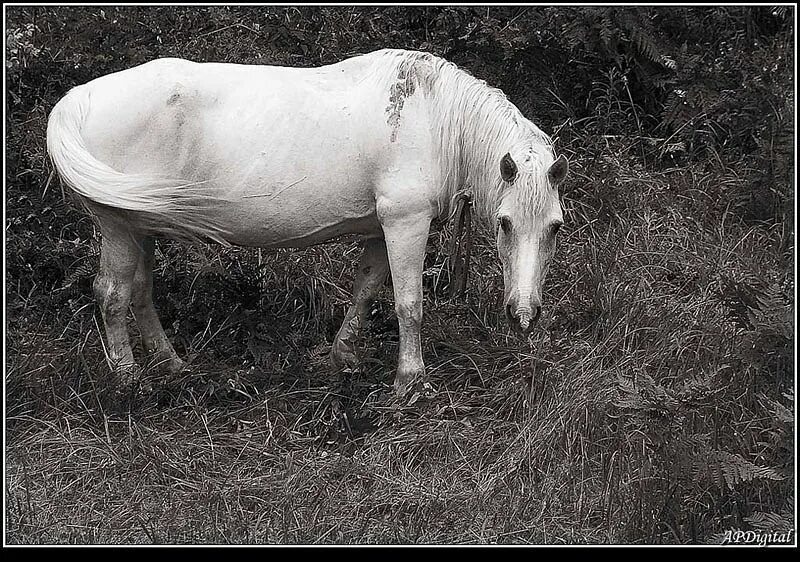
{"points": [[555, 227], [505, 224]]}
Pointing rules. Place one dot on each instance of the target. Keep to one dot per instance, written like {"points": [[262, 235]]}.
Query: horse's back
{"points": [[169, 101], [157, 80]]}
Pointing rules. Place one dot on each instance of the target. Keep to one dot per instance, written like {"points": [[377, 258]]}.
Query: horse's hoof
{"points": [[127, 375], [126, 379], [161, 369], [407, 380], [342, 355], [420, 390], [176, 365], [145, 386], [400, 387], [165, 361], [172, 370]]}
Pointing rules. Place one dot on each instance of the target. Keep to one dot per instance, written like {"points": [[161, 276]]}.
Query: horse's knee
{"points": [[111, 295], [100, 288], [409, 312]]}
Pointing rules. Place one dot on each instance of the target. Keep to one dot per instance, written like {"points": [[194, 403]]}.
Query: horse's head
{"points": [[528, 219]]}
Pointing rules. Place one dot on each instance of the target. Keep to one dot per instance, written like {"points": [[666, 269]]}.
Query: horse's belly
{"points": [[358, 228], [297, 222], [293, 190]]}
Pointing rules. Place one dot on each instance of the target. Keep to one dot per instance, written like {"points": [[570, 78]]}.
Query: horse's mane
{"points": [[475, 125]]}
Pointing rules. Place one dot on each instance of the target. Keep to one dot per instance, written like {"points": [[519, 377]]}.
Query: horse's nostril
{"points": [[538, 312]]}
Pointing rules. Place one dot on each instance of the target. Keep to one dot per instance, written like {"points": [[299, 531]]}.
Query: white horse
{"points": [[377, 146]]}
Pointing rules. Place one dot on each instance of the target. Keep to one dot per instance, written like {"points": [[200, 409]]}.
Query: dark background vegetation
{"points": [[653, 404]]}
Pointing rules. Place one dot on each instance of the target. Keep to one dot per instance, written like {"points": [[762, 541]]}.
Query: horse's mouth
{"points": [[523, 323]]}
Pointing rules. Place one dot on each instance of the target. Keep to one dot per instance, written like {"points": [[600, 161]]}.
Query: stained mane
{"points": [[475, 125]]}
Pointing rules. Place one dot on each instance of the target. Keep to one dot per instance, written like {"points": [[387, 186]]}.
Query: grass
{"points": [[652, 404]]}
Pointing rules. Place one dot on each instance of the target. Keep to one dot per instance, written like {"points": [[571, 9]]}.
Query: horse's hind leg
{"points": [[372, 270], [119, 257], [154, 340]]}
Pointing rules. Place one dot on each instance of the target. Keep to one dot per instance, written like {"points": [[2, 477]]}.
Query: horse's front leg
{"points": [[370, 277], [406, 237]]}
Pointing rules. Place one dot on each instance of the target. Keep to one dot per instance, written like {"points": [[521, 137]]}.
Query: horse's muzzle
{"points": [[522, 320]]}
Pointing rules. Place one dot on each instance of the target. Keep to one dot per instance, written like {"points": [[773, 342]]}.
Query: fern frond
{"points": [[608, 31], [84, 270], [781, 413], [723, 468], [645, 45], [770, 522], [644, 394]]}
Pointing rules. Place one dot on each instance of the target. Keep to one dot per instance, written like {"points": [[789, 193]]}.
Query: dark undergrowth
{"points": [[654, 403]]}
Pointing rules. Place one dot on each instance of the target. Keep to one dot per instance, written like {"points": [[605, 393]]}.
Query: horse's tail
{"points": [[149, 204]]}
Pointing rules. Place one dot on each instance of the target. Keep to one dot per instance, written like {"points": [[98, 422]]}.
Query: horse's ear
{"points": [[558, 170], [508, 168]]}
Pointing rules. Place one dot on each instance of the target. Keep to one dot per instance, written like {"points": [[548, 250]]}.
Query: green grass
{"points": [[652, 404]]}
